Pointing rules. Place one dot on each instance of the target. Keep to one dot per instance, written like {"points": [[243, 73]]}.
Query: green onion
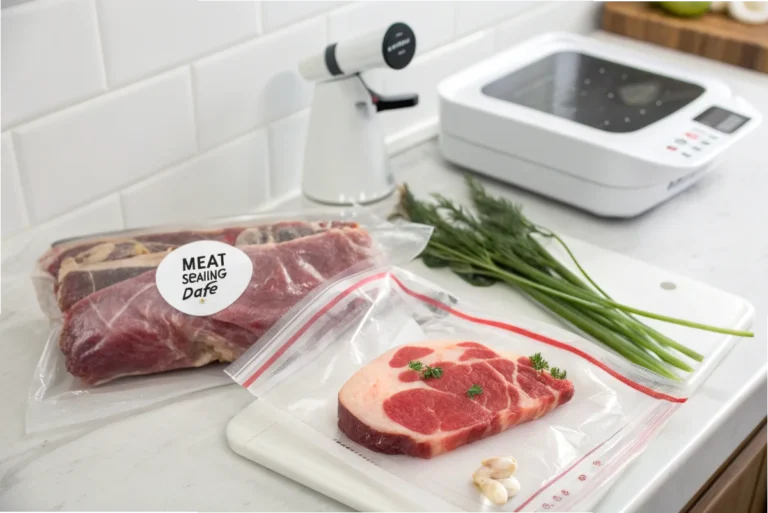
{"points": [[497, 243]]}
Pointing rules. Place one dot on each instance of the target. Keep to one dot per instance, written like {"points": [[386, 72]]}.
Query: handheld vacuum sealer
{"points": [[598, 127]]}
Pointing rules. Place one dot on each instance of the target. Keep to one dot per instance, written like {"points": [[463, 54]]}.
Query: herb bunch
{"points": [[497, 243]]}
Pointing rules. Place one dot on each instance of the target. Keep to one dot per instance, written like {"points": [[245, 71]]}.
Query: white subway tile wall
{"points": [[51, 57], [144, 36], [279, 14], [471, 16], [83, 152], [124, 113], [13, 215], [237, 171], [287, 139], [560, 17], [255, 83]]}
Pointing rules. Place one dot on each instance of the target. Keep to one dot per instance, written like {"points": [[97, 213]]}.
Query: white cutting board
{"points": [[273, 439]]}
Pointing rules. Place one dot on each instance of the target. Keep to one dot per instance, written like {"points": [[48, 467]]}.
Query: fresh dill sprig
{"points": [[538, 362], [495, 242]]}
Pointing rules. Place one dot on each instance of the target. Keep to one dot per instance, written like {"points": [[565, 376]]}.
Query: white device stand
{"points": [[345, 160]]}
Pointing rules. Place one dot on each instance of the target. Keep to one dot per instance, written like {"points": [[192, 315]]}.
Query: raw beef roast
{"points": [[389, 408], [128, 329], [82, 268]]}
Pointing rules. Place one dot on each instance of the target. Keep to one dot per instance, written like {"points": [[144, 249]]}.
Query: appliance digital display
{"points": [[598, 93], [721, 120]]}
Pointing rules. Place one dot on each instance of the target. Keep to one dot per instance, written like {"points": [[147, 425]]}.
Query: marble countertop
{"points": [[175, 456]]}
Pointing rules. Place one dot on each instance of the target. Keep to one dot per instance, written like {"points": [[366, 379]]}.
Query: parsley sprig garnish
{"points": [[557, 373], [540, 364], [474, 390], [428, 372]]}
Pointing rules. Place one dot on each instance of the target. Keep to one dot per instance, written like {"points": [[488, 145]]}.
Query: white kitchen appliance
{"points": [[592, 125], [345, 159]]}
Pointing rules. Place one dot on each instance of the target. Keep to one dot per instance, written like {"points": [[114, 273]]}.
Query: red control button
{"points": [[691, 135], [672, 148]]}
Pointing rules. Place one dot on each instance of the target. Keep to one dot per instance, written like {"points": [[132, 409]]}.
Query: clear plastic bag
{"points": [[565, 458], [91, 366]]}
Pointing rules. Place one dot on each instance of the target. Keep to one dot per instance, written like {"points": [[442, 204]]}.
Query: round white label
{"points": [[204, 277]]}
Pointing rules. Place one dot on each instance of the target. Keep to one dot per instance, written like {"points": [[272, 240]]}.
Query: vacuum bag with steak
{"points": [[451, 408], [116, 330]]}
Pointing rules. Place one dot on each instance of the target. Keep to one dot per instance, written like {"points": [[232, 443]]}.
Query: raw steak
{"points": [[129, 246], [126, 247], [389, 408], [81, 281], [87, 268], [128, 329]]}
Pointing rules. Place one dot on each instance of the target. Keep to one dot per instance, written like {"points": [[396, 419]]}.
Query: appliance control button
{"points": [[686, 155], [691, 135], [705, 142], [672, 148], [697, 148], [681, 141]]}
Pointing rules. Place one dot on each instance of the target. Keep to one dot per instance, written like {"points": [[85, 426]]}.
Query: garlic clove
{"points": [[482, 475], [718, 6], [495, 492], [502, 467], [510, 484]]}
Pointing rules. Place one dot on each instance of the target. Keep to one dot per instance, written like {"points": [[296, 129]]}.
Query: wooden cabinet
{"points": [[739, 486]]}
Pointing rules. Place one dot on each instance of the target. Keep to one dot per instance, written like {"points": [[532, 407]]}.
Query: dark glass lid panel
{"points": [[594, 92]]}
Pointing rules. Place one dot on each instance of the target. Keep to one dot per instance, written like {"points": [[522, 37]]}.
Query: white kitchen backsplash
{"points": [[123, 113]]}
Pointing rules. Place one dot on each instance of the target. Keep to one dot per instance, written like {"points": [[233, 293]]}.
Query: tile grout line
{"points": [[147, 177], [193, 106], [268, 161], [455, 24], [100, 40], [270, 136], [19, 186], [260, 21]]}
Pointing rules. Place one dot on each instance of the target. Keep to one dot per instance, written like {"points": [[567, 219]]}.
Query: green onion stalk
{"points": [[497, 243]]}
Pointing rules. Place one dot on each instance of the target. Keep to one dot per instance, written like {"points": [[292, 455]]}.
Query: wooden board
{"points": [[714, 35]]}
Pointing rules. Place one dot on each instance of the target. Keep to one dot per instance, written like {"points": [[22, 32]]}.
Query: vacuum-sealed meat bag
{"points": [[448, 407], [116, 331], [72, 270]]}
